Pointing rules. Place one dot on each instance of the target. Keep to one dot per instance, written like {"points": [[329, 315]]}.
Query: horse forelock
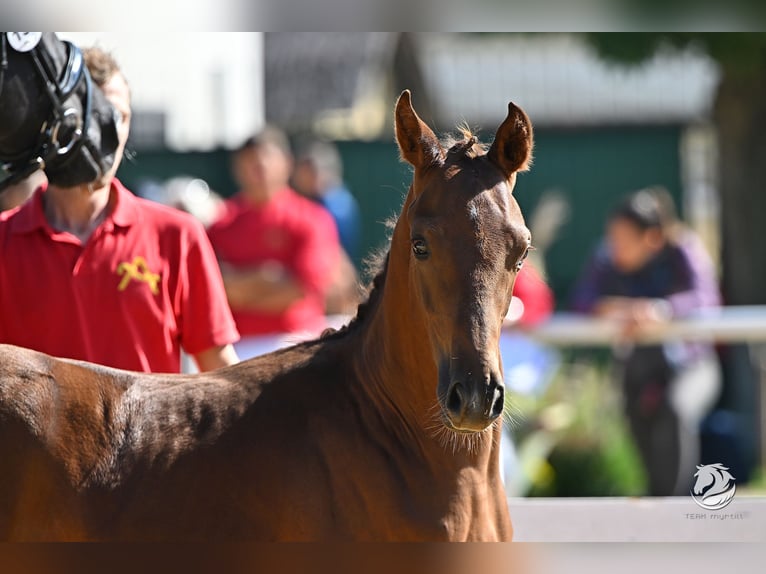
{"points": [[464, 144]]}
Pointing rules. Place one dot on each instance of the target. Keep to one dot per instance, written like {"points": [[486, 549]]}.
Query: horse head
{"points": [[51, 115], [467, 241]]}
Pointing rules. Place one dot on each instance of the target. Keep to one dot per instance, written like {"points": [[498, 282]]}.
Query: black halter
{"points": [[61, 135]]}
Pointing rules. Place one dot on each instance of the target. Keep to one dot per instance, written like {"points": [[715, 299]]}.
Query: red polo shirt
{"points": [[145, 284], [292, 231]]}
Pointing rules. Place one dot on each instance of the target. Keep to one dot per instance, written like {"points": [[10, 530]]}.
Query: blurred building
{"points": [[190, 91], [601, 129], [340, 85]]}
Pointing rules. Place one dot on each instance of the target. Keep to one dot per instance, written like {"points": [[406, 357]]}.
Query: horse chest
{"points": [[373, 492]]}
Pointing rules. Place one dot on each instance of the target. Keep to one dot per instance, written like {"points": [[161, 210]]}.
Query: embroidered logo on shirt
{"points": [[138, 270]]}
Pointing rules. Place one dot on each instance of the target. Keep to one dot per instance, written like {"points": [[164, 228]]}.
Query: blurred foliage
{"points": [[573, 440], [756, 486], [737, 53]]}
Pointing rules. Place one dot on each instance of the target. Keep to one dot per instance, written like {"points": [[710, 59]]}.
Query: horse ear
{"points": [[417, 143], [512, 149]]}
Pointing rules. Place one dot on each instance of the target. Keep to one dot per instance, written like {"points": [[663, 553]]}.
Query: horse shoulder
{"points": [[84, 427], [55, 431]]}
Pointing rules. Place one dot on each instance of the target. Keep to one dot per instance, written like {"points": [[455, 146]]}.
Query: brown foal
{"points": [[388, 429]]}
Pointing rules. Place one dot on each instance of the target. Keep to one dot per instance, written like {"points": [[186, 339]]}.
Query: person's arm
{"points": [[697, 290], [216, 357], [317, 254], [613, 307], [588, 296], [268, 288], [701, 285], [207, 326]]}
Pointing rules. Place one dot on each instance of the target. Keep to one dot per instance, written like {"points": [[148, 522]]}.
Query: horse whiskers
{"points": [[512, 415], [453, 440]]}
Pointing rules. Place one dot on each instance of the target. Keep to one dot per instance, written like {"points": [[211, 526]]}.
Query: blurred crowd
{"points": [[284, 241]]}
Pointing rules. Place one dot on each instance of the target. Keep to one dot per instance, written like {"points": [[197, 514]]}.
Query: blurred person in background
{"points": [[318, 175], [190, 194], [18, 193], [95, 273], [277, 250], [651, 270]]}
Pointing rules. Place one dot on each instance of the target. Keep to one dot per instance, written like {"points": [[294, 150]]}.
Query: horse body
{"points": [[243, 453], [388, 429]]}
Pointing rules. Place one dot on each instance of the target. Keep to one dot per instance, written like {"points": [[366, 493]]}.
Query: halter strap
{"points": [[72, 72], [3, 60]]}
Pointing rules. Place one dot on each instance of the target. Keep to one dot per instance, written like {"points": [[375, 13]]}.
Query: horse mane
{"points": [[377, 264]]}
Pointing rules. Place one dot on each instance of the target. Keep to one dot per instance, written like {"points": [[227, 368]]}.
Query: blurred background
{"points": [[613, 113]]}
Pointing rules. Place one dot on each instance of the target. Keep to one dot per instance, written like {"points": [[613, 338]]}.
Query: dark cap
{"points": [[641, 208]]}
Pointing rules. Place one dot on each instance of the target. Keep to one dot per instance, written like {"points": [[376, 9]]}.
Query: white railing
{"points": [[726, 324]]}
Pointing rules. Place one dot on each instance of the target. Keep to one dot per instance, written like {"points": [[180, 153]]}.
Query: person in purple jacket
{"points": [[650, 269]]}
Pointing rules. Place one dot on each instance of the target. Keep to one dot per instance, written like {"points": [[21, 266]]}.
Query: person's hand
{"points": [[633, 314], [642, 314], [614, 307]]}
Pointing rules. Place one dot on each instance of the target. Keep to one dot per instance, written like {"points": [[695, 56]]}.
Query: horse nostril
{"points": [[499, 403], [455, 399]]}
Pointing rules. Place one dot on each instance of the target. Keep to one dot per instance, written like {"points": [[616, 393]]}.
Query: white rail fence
{"points": [[736, 324]]}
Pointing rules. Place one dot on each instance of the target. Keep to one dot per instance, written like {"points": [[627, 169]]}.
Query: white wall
{"points": [[210, 85]]}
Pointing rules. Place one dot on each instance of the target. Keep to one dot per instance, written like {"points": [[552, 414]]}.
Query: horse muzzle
{"points": [[472, 403]]}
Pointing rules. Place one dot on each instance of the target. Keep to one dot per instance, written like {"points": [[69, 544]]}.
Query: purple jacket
{"points": [[682, 274]]}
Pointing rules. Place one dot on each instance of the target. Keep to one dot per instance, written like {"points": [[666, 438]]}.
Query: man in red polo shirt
{"points": [[277, 250], [97, 274]]}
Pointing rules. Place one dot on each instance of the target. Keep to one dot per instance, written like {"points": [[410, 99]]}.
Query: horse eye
{"points": [[520, 263], [420, 248]]}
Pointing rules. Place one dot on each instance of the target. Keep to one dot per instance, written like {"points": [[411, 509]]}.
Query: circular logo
{"points": [[714, 488], [24, 41]]}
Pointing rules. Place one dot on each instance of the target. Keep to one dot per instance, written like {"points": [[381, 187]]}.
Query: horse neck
{"points": [[396, 356]]}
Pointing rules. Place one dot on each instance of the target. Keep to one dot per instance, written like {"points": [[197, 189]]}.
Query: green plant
{"points": [[573, 440]]}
